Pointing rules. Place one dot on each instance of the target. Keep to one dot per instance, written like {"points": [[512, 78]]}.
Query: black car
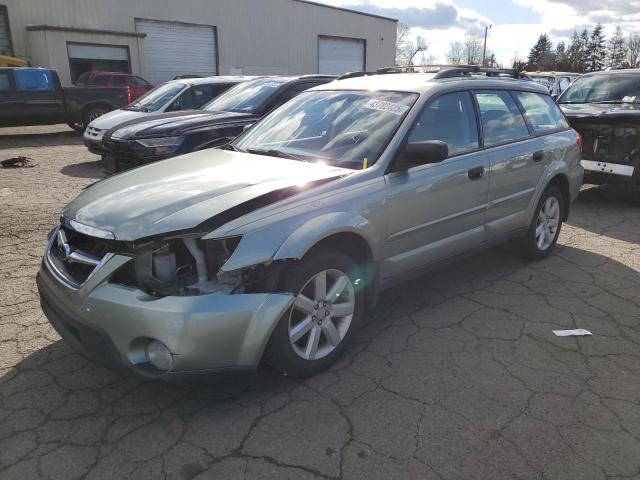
{"points": [[604, 107], [163, 136]]}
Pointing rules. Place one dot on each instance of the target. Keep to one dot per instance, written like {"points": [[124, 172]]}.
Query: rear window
{"points": [[33, 80], [502, 121], [541, 112], [101, 81], [120, 81]]}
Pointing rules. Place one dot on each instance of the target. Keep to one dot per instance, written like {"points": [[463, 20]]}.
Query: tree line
{"points": [[586, 52]]}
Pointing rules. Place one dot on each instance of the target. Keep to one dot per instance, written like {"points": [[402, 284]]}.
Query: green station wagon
{"points": [[272, 248]]}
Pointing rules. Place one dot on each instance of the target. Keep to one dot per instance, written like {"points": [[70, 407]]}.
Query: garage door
{"points": [[172, 49], [5, 38], [337, 55], [86, 58]]}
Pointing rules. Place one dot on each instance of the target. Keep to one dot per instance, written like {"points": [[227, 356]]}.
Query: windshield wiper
{"points": [[233, 148], [275, 153]]}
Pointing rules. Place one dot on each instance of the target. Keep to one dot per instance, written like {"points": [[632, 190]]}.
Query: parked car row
{"points": [[270, 248]]}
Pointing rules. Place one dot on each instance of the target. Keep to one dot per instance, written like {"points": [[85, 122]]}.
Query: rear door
{"points": [[39, 96], [517, 159], [436, 211]]}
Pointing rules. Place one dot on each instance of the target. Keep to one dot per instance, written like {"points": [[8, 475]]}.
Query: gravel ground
{"points": [[455, 376]]}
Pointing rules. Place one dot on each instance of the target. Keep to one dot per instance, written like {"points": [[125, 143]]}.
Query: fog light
{"points": [[159, 355]]}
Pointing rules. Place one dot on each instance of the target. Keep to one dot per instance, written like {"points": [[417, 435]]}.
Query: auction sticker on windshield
{"points": [[389, 107]]}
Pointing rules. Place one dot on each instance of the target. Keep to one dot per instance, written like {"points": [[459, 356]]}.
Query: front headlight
{"points": [[160, 146]]}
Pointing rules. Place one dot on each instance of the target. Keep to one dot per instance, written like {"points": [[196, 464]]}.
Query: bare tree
{"points": [[633, 50], [455, 54], [473, 45], [406, 51]]}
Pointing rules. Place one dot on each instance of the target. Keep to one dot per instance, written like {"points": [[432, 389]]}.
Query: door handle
{"points": [[538, 156], [476, 172]]}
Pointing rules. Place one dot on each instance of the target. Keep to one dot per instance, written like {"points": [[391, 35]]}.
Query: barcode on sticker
{"points": [[389, 107]]}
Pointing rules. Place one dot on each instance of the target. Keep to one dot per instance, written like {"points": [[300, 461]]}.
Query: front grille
{"points": [[94, 133], [74, 256], [119, 156], [608, 143]]}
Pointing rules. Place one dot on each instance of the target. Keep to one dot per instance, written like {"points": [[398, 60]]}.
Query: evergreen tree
{"points": [[540, 56], [562, 57], [596, 50], [617, 51]]}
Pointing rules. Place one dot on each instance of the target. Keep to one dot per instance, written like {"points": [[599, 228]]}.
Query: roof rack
{"points": [[444, 71]]}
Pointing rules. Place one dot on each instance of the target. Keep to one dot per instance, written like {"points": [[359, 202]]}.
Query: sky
{"points": [[516, 24]]}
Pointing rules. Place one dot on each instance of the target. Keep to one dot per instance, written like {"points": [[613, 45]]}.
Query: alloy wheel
{"points": [[321, 314], [548, 222]]}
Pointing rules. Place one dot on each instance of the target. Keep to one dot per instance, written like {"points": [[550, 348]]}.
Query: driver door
{"points": [[436, 211]]}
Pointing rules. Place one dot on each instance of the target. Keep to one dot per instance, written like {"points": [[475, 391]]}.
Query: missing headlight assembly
{"points": [[181, 266]]}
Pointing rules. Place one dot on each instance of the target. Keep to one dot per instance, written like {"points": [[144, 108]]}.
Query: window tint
{"points": [[101, 81], [83, 79], [501, 119], [33, 80], [196, 96], [293, 91], [139, 82], [564, 83], [451, 119], [5, 83], [120, 81], [541, 112]]}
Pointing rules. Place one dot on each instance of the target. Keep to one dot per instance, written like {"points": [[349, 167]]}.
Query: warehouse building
{"points": [[160, 39]]}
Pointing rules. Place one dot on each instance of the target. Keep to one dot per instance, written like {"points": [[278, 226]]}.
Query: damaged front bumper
{"points": [[112, 323]]}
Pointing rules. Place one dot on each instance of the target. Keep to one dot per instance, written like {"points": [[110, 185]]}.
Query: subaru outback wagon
{"points": [[272, 248]]}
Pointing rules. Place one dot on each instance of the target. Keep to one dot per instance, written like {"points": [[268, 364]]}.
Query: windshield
{"points": [[246, 97], [157, 98], [347, 129], [612, 88]]}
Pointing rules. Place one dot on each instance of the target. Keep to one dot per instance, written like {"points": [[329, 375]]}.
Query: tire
{"points": [[548, 212], [91, 114], [78, 127], [293, 338]]}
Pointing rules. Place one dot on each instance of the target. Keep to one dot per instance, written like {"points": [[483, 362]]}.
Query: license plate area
{"points": [[610, 168]]}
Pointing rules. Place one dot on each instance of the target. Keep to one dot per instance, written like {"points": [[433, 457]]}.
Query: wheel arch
{"points": [[561, 181]]}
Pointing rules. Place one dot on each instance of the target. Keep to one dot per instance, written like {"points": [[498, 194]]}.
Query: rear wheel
{"points": [[326, 312], [544, 230]]}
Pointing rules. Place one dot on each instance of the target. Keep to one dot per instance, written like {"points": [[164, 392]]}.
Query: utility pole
{"points": [[484, 50]]}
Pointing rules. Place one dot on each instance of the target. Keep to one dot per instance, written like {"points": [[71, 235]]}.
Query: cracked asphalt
{"points": [[456, 375]]}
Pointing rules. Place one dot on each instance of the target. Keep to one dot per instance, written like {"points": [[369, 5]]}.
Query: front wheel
{"points": [[327, 310], [78, 127], [544, 230]]}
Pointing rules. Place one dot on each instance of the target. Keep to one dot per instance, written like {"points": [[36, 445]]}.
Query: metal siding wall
{"points": [[263, 36]]}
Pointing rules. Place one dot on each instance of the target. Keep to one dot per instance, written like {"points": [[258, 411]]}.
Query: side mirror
{"points": [[425, 152]]}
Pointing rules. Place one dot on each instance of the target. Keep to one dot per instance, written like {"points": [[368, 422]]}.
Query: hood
{"points": [[116, 117], [601, 111], [175, 123], [183, 192]]}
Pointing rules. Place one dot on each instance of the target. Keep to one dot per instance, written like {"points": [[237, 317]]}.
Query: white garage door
{"points": [[338, 55], [172, 49]]}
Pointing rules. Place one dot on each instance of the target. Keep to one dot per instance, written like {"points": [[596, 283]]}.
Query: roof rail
{"points": [[453, 71], [354, 75]]}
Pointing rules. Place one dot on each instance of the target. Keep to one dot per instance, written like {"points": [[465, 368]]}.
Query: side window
{"points": [[451, 119], [33, 80], [293, 91], [194, 97], [541, 112], [5, 82], [120, 81], [501, 119], [139, 82], [101, 81], [564, 83]]}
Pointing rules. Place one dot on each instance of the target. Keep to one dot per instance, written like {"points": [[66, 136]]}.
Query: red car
{"points": [[137, 85]]}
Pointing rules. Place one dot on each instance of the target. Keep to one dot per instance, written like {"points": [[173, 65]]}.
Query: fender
{"points": [[266, 245], [556, 167]]}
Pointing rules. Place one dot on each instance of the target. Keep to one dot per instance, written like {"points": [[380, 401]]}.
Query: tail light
{"points": [[578, 138], [129, 95]]}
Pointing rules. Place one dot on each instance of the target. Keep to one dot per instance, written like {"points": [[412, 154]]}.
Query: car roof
{"points": [[424, 82], [552, 74], [615, 71], [212, 79]]}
